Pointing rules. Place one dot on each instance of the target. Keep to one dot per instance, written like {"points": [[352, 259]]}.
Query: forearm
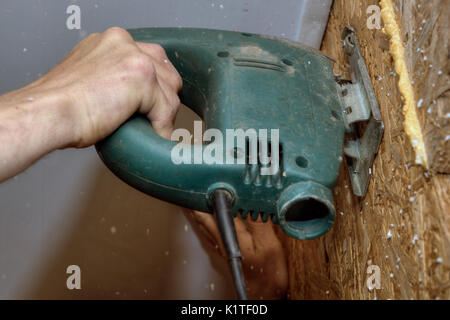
{"points": [[33, 122], [104, 80]]}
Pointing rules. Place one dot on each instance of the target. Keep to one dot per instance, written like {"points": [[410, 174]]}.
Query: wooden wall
{"points": [[402, 225]]}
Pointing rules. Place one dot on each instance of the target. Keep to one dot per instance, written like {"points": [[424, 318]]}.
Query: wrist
{"points": [[45, 116], [32, 124]]}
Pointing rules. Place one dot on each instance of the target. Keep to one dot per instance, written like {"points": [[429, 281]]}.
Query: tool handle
{"points": [[141, 157]]}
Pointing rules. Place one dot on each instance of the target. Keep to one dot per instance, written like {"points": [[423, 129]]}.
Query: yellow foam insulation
{"points": [[411, 124]]}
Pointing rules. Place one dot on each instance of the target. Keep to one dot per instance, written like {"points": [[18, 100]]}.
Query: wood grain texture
{"points": [[402, 225], [426, 33]]}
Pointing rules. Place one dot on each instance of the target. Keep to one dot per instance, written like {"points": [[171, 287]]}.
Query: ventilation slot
{"points": [[255, 63], [263, 173], [254, 215]]}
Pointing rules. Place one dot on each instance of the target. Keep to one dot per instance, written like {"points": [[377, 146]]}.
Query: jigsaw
{"points": [[241, 81]]}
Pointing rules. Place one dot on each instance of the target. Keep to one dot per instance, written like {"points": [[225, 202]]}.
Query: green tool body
{"points": [[243, 81]]}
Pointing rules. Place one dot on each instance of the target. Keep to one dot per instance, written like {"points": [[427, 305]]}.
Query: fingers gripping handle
{"points": [[141, 157]]}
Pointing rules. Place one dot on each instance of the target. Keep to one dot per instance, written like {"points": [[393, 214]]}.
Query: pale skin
{"points": [[104, 80]]}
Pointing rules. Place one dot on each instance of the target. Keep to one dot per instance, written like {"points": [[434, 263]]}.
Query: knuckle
{"points": [[158, 50], [116, 33], [176, 81], [169, 113], [166, 113], [142, 65], [175, 102]]}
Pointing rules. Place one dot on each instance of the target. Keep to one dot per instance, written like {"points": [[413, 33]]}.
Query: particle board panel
{"points": [[402, 225]]}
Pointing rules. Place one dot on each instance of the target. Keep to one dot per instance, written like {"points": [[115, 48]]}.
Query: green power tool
{"points": [[280, 94]]}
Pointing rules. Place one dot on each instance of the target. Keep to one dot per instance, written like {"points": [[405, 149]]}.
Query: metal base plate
{"points": [[360, 109]]}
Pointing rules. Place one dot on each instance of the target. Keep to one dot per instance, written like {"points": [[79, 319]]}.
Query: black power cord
{"points": [[222, 203]]}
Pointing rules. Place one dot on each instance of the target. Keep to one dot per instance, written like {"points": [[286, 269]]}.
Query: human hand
{"points": [[106, 78], [264, 262]]}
